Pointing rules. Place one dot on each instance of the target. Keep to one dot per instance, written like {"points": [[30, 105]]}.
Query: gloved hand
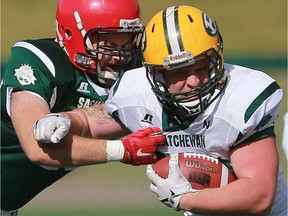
{"points": [[52, 128], [140, 147], [170, 190]]}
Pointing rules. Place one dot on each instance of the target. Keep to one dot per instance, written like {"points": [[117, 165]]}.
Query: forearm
{"points": [[95, 122], [73, 151], [256, 166], [242, 197], [78, 151]]}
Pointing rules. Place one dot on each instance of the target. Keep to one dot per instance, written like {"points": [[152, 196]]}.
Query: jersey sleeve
{"points": [[260, 118], [260, 115], [31, 70], [128, 102]]}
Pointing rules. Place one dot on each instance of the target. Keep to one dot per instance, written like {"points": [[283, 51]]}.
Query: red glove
{"points": [[140, 147]]}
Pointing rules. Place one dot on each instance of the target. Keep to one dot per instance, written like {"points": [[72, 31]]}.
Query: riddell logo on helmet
{"points": [[128, 23], [133, 23], [178, 57]]}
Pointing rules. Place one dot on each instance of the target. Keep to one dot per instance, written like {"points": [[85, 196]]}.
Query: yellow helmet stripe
{"points": [[172, 34]]}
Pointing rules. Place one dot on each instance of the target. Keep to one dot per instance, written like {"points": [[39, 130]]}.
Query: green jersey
{"points": [[42, 68]]}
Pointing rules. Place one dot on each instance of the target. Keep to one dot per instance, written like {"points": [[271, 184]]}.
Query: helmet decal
{"points": [[210, 26], [82, 29]]}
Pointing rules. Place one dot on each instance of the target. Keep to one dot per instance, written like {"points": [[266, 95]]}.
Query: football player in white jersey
{"points": [[202, 105]]}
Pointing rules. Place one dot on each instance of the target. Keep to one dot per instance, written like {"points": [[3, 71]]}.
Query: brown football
{"points": [[202, 171]]}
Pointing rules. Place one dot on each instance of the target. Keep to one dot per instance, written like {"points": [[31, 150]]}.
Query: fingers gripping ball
{"points": [[169, 190], [202, 171]]}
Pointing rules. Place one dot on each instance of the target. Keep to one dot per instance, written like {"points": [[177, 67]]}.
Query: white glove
{"points": [[170, 190], [52, 128]]}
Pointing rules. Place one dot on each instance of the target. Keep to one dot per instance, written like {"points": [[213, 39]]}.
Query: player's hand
{"points": [[140, 147], [170, 190], [52, 128]]}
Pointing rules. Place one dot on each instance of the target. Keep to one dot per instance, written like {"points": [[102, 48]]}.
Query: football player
{"points": [[202, 105], [96, 41]]}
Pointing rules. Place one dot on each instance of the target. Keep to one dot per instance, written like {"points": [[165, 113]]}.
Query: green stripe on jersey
{"points": [[259, 135], [259, 100]]}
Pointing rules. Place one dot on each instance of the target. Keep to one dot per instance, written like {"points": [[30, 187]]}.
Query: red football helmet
{"points": [[77, 21]]}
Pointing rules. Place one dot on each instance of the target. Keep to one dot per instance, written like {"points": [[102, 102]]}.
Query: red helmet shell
{"points": [[92, 14]]}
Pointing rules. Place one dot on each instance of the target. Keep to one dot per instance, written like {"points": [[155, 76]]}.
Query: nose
{"points": [[193, 81]]}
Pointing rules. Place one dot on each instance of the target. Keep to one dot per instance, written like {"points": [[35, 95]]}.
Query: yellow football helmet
{"points": [[174, 38]]}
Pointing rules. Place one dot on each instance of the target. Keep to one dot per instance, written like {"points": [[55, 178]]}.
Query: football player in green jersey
{"points": [[203, 105], [96, 41]]}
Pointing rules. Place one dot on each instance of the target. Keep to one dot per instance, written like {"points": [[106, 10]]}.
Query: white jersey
{"points": [[245, 111]]}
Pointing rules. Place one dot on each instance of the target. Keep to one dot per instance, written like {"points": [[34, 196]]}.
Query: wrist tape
{"points": [[114, 150]]}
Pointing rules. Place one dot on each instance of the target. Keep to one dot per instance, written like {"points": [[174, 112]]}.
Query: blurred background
{"points": [[255, 35]]}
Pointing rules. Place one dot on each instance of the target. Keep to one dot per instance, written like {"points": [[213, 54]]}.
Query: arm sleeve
{"points": [[260, 115], [27, 71]]}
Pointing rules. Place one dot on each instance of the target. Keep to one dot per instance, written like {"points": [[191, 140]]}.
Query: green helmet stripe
{"points": [[165, 31], [178, 30], [170, 18]]}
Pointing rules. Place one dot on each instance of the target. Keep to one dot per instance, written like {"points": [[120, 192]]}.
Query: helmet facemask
{"points": [[128, 55], [193, 102]]}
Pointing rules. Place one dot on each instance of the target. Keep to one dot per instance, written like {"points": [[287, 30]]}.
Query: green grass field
{"points": [[255, 35], [104, 212]]}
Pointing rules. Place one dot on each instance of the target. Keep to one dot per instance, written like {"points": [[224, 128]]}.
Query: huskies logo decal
{"points": [[210, 26], [25, 75]]}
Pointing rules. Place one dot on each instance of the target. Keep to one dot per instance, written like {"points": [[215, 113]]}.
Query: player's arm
{"points": [[93, 122], [75, 150], [256, 167]]}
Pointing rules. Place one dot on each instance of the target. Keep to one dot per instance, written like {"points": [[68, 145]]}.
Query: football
{"points": [[202, 171]]}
